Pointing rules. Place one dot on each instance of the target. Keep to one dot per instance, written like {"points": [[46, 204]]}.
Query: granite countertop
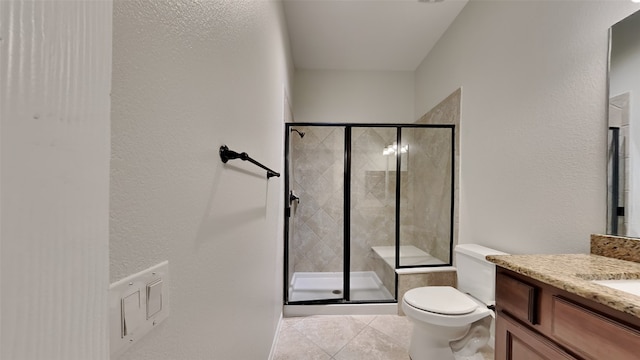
{"points": [[572, 272]]}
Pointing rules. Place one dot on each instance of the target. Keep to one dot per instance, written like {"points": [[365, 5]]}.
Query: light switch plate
{"points": [[137, 304]]}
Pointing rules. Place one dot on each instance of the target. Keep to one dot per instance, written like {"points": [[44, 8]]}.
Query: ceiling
{"points": [[390, 35]]}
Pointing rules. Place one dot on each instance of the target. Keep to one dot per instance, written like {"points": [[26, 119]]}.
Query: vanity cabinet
{"points": [[536, 321]]}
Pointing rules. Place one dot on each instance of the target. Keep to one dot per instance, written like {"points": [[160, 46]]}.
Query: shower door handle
{"points": [[293, 197]]}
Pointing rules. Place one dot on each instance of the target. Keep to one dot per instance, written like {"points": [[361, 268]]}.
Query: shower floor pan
{"points": [[365, 286]]}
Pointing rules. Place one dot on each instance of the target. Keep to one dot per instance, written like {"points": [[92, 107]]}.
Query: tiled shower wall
{"points": [[446, 112], [317, 178], [426, 200], [317, 174], [373, 195]]}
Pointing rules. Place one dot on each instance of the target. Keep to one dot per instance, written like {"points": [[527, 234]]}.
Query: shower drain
{"points": [[337, 292]]}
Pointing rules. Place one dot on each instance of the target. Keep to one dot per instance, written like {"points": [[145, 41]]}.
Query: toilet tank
{"points": [[476, 275]]}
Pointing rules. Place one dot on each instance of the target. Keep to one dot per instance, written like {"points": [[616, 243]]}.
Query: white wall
{"points": [[189, 77], [55, 66], [354, 96], [533, 119], [625, 77]]}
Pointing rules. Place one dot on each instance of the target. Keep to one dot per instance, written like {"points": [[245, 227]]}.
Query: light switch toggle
{"points": [[154, 298], [131, 318]]}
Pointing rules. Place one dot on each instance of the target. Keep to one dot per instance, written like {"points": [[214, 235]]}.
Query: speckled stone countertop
{"points": [[617, 247], [572, 273]]}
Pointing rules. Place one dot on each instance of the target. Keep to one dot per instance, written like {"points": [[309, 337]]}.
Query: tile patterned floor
{"points": [[356, 337]]}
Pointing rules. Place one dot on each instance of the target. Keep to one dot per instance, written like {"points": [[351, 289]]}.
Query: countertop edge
{"points": [[573, 272]]}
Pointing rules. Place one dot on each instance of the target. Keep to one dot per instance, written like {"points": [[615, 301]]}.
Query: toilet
{"points": [[448, 321]]}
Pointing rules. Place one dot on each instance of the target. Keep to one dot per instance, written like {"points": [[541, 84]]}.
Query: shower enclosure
{"points": [[362, 200]]}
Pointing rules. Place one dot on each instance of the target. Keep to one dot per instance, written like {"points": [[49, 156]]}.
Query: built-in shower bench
{"points": [[409, 256]]}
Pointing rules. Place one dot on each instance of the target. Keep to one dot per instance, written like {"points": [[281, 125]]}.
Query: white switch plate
{"points": [[139, 321]]}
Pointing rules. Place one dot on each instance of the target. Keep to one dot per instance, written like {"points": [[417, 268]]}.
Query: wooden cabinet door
{"points": [[592, 335], [514, 341]]}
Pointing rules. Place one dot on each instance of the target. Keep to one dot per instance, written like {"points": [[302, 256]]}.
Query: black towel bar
{"points": [[226, 155]]}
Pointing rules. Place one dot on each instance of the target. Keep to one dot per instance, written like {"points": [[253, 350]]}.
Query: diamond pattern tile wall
{"points": [[318, 170]]}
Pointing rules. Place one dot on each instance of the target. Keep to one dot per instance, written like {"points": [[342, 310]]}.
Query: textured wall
{"points": [[533, 113], [354, 96], [55, 66], [189, 77]]}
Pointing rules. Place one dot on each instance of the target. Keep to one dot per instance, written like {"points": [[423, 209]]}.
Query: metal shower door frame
{"points": [[347, 208]]}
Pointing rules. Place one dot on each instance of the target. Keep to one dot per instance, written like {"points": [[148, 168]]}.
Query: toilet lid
{"points": [[440, 299]]}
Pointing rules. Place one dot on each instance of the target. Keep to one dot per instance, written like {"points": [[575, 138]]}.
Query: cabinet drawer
{"points": [[519, 343], [516, 298], [592, 335]]}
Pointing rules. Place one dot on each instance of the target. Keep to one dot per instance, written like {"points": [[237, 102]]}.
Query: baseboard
{"points": [[274, 344]]}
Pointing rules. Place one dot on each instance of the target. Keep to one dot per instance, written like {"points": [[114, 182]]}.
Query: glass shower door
{"points": [[372, 214], [316, 215]]}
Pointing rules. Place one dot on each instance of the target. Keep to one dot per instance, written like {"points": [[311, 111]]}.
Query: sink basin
{"points": [[629, 286]]}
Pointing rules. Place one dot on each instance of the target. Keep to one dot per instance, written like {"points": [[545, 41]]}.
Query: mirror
{"points": [[623, 162]]}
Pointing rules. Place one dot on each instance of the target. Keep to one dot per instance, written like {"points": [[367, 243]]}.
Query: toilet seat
{"points": [[444, 300], [418, 311]]}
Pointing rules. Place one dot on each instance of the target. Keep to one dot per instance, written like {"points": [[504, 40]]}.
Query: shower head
{"points": [[301, 133]]}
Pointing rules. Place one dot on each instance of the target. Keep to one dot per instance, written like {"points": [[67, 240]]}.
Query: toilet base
{"points": [[430, 342], [472, 357], [476, 338]]}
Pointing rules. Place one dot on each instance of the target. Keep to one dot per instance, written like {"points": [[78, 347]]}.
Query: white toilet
{"points": [[447, 320]]}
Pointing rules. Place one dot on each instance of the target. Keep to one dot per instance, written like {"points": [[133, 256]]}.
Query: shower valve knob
{"points": [[293, 197]]}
